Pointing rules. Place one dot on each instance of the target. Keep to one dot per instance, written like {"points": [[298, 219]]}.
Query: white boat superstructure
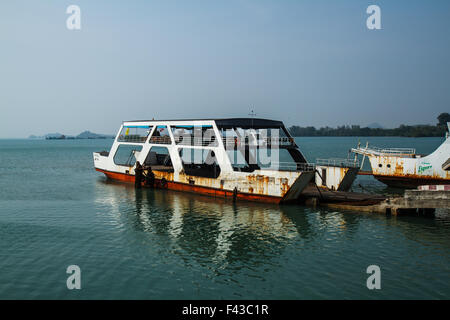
{"points": [[240, 158]]}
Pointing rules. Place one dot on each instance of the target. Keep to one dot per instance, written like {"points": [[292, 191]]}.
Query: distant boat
{"points": [[402, 167]]}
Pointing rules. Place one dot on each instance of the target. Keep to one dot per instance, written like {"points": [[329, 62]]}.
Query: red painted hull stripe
{"points": [[179, 186]]}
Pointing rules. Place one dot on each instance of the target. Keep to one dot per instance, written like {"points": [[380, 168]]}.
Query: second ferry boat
{"points": [[404, 168], [239, 158]]}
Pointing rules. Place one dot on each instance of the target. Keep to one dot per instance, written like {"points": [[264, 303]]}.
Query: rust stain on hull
{"points": [[399, 169], [192, 188], [409, 181], [259, 184], [284, 186]]}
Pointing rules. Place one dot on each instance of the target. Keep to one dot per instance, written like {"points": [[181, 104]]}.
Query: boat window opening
{"points": [[276, 159], [159, 159], [238, 162], [261, 137], [134, 133], [262, 148], [297, 155], [126, 155], [324, 177], [194, 135], [161, 136], [251, 159], [199, 162]]}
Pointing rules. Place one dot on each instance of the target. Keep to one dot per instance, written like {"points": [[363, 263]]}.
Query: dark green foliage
{"points": [[351, 131], [443, 118]]}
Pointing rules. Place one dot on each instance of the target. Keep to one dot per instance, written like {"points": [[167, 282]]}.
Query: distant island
{"points": [[372, 130], [375, 130], [83, 135]]}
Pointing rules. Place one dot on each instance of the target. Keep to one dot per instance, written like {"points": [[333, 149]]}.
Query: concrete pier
{"points": [[423, 201]]}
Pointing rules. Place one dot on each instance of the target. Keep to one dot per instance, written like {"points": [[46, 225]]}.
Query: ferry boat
{"points": [[404, 168], [239, 158]]}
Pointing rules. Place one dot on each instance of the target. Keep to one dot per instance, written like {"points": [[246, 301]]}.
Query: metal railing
{"points": [[194, 141], [291, 166], [262, 142], [336, 162], [132, 138], [386, 151], [161, 140], [394, 150]]}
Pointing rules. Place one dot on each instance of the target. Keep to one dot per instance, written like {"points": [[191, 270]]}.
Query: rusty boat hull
{"points": [[290, 195], [407, 182], [404, 168], [224, 158]]}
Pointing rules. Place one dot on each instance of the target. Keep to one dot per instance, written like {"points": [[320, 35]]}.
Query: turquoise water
{"points": [[56, 211]]}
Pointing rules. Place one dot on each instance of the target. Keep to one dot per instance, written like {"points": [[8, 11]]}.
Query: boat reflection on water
{"points": [[233, 235], [217, 229]]}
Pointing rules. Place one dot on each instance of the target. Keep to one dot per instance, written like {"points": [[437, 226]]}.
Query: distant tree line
{"points": [[349, 131]]}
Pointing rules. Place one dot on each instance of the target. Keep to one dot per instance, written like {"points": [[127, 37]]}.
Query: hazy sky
{"points": [[304, 62]]}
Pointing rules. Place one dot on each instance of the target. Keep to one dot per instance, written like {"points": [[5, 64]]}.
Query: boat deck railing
{"points": [[261, 142], [160, 140], [336, 162], [409, 152], [291, 166], [233, 142], [132, 138], [194, 141]]}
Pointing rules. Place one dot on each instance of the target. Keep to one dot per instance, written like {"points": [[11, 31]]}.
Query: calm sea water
{"points": [[56, 211]]}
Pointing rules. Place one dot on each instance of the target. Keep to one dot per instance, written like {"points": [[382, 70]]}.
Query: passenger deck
{"points": [[242, 157]]}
